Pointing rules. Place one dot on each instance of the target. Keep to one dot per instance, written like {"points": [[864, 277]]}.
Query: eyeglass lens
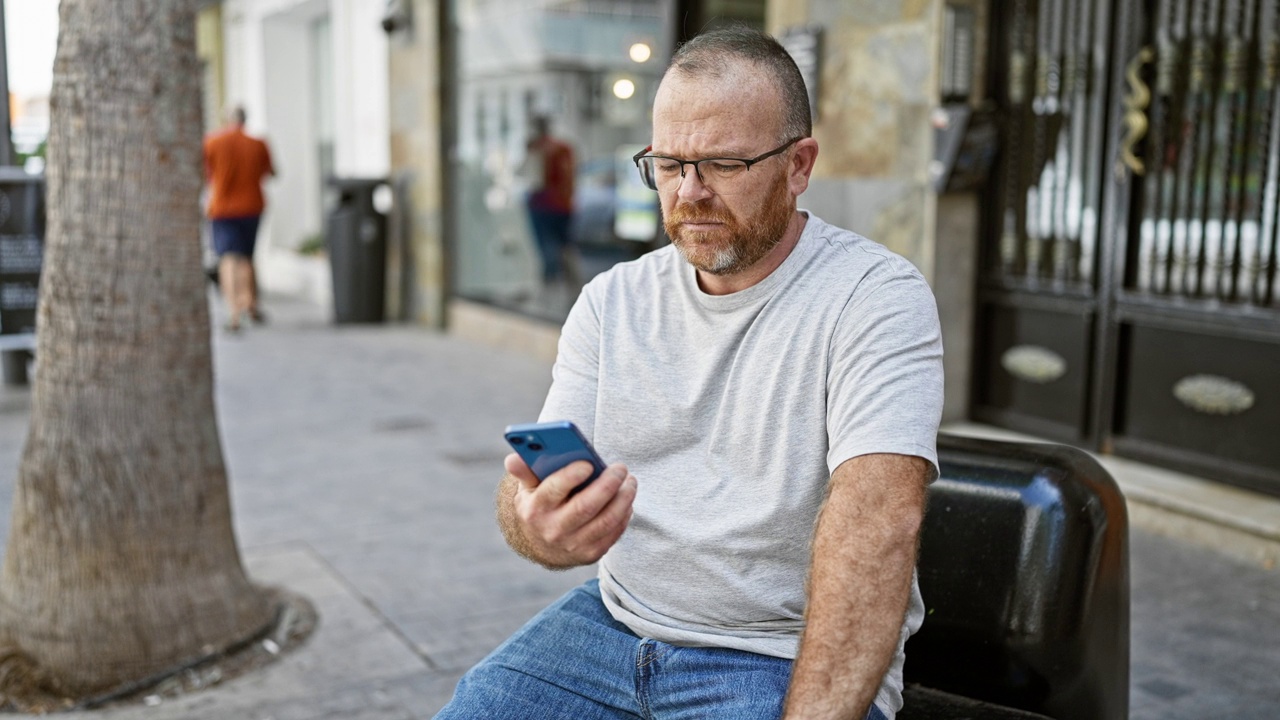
{"points": [[718, 174]]}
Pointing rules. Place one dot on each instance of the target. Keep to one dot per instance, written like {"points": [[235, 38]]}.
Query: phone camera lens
{"points": [[517, 440], [535, 446]]}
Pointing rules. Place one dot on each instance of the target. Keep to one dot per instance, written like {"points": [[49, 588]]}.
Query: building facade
{"points": [[1127, 250], [1088, 185]]}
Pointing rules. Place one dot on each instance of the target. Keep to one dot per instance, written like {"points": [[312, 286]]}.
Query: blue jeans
{"points": [[575, 662], [551, 231]]}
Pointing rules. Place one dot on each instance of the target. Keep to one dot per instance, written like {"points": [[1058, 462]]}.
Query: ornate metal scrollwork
{"points": [[1135, 114], [1213, 394], [1271, 67], [1033, 363], [1018, 63]]}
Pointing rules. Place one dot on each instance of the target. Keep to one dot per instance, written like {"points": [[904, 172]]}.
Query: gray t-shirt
{"points": [[733, 411]]}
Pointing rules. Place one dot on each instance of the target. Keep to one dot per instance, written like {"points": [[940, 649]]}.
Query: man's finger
{"points": [[556, 487], [608, 524], [586, 505], [517, 468]]}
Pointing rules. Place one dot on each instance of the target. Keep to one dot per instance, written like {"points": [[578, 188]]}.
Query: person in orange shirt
{"points": [[235, 166], [550, 201]]}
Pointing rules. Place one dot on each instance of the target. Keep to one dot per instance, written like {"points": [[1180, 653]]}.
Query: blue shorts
{"points": [[235, 235]]}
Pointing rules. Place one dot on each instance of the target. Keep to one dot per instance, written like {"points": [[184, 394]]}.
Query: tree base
{"points": [[26, 688]]}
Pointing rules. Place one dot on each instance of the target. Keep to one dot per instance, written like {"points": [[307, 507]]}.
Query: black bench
{"points": [[1024, 569]]}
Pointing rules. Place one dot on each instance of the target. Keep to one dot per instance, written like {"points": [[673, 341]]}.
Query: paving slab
{"points": [[355, 665]]}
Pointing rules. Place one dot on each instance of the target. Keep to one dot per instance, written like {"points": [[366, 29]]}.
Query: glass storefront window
{"points": [[536, 216]]}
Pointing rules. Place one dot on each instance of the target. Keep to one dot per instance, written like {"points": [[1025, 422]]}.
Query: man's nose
{"points": [[691, 187]]}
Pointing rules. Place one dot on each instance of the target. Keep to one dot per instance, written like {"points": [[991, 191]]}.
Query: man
{"points": [[550, 200], [775, 384], [235, 166]]}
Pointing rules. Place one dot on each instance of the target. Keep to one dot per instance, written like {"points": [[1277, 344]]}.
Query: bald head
{"points": [[726, 54]]}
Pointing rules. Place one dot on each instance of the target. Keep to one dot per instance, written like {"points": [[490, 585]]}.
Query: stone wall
{"points": [[416, 268], [879, 84]]}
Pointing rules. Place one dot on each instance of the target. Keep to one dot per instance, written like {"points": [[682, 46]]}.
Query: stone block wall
{"points": [[416, 256], [879, 84]]}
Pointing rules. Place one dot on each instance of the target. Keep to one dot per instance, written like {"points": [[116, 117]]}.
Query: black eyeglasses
{"points": [[723, 176]]}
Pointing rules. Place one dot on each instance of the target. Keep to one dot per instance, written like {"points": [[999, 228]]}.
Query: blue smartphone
{"points": [[547, 447]]}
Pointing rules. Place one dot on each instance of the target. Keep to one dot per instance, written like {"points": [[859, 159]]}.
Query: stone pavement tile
{"points": [[295, 567], [353, 666], [1171, 702], [1205, 629], [425, 693], [469, 595], [458, 643], [15, 418], [455, 633]]}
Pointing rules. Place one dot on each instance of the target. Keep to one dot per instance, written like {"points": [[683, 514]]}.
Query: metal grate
{"points": [[1207, 215], [1050, 171]]}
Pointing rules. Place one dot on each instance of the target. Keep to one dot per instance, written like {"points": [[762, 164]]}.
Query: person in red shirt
{"points": [[235, 166], [550, 200]]}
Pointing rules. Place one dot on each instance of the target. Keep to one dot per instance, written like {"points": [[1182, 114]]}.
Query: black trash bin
{"points": [[21, 256], [356, 236]]}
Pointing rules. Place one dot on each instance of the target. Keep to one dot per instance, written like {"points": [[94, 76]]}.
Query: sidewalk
{"points": [[363, 462]]}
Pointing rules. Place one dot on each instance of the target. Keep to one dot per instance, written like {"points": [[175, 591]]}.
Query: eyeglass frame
{"points": [[652, 182]]}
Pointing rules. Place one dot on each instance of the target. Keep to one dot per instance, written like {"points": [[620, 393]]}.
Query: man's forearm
{"points": [[864, 552]]}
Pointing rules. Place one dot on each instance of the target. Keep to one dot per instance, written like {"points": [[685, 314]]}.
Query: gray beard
{"points": [[727, 261], [759, 237], [723, 263]]}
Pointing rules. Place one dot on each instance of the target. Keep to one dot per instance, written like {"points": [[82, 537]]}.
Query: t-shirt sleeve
{"points": [[884, 387], [576, 373]]}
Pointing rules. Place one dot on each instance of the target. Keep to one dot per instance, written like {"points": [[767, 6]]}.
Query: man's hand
{"points": [[542, 522]]}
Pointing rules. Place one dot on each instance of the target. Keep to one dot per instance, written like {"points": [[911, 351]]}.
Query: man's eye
{"points": [[726, 168], [666, 167]]}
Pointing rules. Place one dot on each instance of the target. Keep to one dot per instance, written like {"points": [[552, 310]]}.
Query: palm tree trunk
{"points": [[121, 562]]}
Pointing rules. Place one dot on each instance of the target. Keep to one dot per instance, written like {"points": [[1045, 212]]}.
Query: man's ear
{"points": [[803, 158]]}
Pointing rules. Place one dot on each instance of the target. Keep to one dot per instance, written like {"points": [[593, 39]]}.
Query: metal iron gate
{"points": [[1129, 297]]}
